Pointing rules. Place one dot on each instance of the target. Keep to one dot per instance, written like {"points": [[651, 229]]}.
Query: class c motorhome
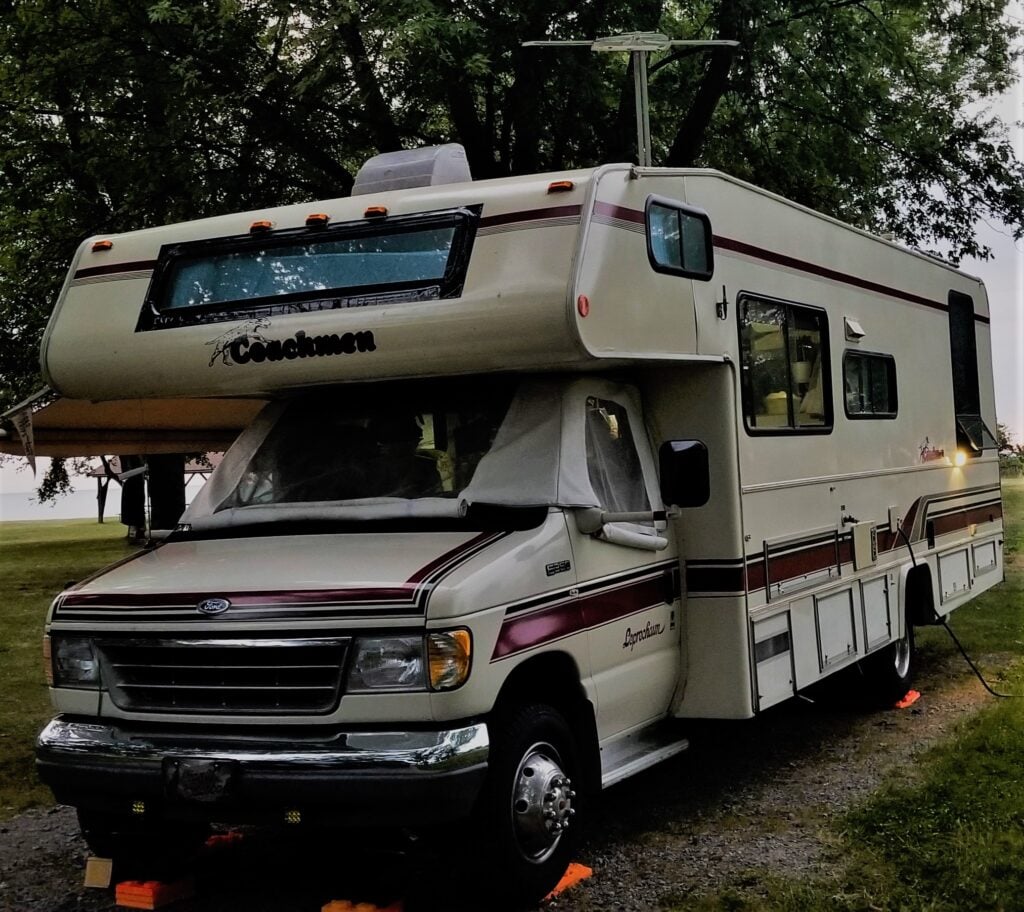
{"points": [[549, 464]]}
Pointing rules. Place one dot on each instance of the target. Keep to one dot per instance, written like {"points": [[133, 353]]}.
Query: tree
{"points": [[119, 114]]}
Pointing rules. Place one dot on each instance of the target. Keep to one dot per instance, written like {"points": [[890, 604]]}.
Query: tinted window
{"points": [[784, 351], [679, 240], [368, 263], [869, 385]]}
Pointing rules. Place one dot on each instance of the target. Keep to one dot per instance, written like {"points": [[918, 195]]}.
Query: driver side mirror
{"points": [[685, 473]]}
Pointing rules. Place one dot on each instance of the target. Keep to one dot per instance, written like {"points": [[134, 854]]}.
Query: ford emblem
{"points": [[213, 606]]}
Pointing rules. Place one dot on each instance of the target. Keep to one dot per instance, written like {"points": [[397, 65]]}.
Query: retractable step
{"points": [[639, 751]]}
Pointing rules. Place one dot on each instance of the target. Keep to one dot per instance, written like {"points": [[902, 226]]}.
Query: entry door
{"points": [[627, 594]]}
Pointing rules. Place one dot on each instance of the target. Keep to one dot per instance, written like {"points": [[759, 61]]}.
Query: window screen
{"points": [[869, 385], [612, 461], [785, 364]]}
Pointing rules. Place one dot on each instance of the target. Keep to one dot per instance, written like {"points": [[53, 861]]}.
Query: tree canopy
{"points": [[120, 114]]}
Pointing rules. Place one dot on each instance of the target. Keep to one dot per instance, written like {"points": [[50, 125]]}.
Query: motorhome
{"points": [[550, 465]]}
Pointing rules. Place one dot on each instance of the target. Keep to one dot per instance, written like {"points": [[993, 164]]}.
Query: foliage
{"points": [[119, 114], [37, 560]]}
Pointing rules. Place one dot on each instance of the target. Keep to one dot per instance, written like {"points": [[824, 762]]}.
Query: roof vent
{"points": [[413, 168]]}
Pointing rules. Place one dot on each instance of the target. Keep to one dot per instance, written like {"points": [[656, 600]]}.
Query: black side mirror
{"points": [[685, 473]]}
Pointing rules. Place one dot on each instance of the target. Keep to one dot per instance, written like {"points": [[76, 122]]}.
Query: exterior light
{"points": [[100, 246], [960, 458], [375, 212], [562, 186], [260, 225], [317, 220]]}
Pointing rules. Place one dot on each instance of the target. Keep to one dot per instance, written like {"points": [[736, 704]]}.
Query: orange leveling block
{"points": [[909, 700], [151, 894], [572, 876]]}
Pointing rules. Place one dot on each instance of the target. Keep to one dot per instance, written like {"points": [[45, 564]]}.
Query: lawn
{"points": [[37, 559]]}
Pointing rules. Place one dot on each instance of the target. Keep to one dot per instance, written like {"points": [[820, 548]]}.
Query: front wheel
{"points": [[529, 812]]}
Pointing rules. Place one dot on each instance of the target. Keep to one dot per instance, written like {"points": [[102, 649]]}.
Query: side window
{"points": [[785, 367], [869, 385], [972, 434], [679, 240], [612, 461]]}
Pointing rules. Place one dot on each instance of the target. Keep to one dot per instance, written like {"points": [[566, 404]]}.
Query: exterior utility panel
{"points": [[441, 557]]}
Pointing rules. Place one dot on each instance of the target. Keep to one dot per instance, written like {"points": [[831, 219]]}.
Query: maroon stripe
{"points": [[451, 555], [529, 215], [953, 522], [531, 630], [115, 268], [406, 592], [824, 272], [605, 607], [619, 212], [403, 593], [518, 633]]}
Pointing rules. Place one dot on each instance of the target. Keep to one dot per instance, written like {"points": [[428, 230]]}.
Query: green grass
{"points": [[37, 559], [950, 837]]}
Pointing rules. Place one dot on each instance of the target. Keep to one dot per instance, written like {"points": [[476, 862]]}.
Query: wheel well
{"points": [[554, 679], [920, 598]]}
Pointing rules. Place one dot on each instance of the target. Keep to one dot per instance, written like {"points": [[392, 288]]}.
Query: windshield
{"points": [[355, 448]]}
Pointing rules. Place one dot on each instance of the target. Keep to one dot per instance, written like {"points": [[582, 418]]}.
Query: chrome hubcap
{"points": [[541, 802]]}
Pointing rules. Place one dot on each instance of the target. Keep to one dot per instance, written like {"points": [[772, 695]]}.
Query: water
{"points": [[79, 505]]}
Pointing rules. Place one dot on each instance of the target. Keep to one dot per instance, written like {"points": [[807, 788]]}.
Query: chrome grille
{"points": [[241, 677]]}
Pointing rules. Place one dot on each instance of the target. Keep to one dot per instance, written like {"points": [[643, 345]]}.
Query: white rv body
{"points": [[854, 495]]}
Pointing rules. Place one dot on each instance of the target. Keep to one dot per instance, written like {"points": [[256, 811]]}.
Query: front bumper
{"points": [[403, 778]]}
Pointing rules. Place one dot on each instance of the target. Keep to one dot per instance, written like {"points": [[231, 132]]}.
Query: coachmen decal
{"points": [[248, 344]]}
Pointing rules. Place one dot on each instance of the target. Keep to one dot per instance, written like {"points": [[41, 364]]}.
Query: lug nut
{"points": [[571, 812], [572, 794]]}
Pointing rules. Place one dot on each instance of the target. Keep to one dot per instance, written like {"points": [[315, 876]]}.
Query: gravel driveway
{"points": [[746, 796]]}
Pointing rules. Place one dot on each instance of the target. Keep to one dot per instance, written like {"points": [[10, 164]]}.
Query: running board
{"points": [[637, 752]]}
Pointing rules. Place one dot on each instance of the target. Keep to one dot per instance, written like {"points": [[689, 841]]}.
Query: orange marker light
{"points": [[260, 225], [375, 211], [317, 220], [583, 305], [102, 245], [560, 186]]}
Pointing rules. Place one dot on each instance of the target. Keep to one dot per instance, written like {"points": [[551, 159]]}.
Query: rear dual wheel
{"points": [[889, 672]]}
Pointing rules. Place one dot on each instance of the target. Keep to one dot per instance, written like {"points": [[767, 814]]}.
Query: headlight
{"points": [[388, 663], [74, 663], [449, 653], [439, 660]]}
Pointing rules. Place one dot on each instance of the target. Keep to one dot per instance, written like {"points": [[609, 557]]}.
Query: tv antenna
{"points": [[639, 46]]}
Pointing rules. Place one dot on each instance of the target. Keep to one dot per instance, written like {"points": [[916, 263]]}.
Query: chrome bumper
{"points": [[427, 751], [392, 776]]}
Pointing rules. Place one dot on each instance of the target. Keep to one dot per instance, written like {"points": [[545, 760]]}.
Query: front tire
{"points": [[529, 812]]}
